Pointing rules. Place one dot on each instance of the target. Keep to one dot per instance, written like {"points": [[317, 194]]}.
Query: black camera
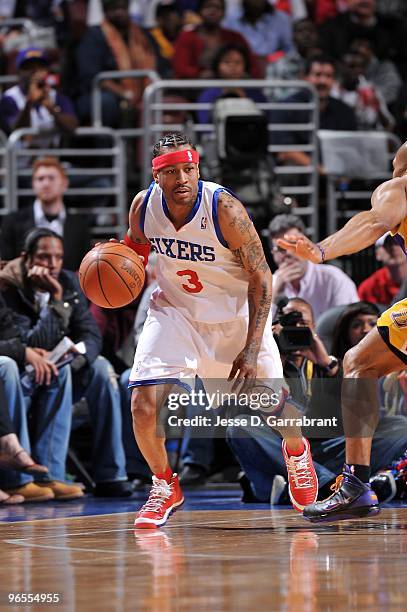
{"points": [[292, 337]]}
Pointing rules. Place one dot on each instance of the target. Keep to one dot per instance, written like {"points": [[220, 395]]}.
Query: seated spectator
{"points": [[196, 48], [34, 102], [357, 92], [47, 397], [12, 454], [322, 286], [333, 114], [231, 62], [49, 183], [383, 285], [47, 304], [256, 447], [117, 44], [163, 36], [387, 34], [383, 74], [352, 325], [267, 30], [292, 64]]}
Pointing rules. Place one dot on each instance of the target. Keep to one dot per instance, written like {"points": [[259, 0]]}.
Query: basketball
{"points": [[111, 275]]}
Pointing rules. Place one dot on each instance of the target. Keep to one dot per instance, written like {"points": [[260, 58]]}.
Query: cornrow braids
{"points": [[172, 140]]}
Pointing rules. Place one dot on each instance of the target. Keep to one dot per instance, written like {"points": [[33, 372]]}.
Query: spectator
{"points": [[353, 324], [12, 454], [333, 114], [292, 64], [382, 286], [117, 44], [354, 90], [48, 304], [322, 286], [49, 401], [231, 62], [267, 30], [49, 183], [34, 102], [255, 447], [386, 34], [383, 74], [163, 36], [196, 48]]}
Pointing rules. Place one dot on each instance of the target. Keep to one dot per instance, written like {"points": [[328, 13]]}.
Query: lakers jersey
{"points": [[196, 271], [400, 236]]}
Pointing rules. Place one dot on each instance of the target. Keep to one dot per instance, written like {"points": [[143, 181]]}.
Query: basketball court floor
{"points": [[214, 554]]}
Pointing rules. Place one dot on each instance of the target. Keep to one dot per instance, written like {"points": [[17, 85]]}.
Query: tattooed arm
{"points": [[245, 244], [134, 231]]}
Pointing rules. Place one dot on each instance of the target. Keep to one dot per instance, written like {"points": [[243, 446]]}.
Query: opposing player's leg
{"points": [[364, 364], [301, 474], [165, 495]]}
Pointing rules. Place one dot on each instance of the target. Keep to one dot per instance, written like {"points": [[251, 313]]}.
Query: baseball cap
{"points": [[31, 53]]}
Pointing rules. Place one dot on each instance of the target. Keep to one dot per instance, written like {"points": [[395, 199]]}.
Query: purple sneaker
{"points": [[351, 498]]}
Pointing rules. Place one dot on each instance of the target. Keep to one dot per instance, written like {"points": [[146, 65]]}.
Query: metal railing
{"points": [[349, 184], [116, 75], [20, 157], [307, 183]]}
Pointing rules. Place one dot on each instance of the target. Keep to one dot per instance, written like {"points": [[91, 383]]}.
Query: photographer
{"points": [[306, 363], [34, 102], [303, 354]]}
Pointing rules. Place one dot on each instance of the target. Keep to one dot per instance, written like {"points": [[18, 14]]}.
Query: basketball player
{"points": [[382, 351], [207, 316]]}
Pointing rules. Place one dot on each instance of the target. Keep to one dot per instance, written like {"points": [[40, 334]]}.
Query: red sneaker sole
{"points": [[145, 524]]}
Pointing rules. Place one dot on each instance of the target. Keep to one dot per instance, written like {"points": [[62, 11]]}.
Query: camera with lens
{"points": [[294, 335]]}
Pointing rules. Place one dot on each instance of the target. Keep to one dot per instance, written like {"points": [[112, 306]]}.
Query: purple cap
{"points": [[31, 53]]}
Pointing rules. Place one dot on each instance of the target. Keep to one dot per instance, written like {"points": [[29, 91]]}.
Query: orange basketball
{"points": [[111, 275]]}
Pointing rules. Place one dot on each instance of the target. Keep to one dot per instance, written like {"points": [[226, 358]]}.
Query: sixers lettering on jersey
{"points": [[180, 249], [196, 271]]}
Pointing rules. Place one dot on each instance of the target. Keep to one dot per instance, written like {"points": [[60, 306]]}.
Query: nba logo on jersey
{"points": [[204, 221]]}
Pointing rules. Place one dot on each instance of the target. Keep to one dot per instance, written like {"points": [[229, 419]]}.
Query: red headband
{"points": [[177, 157]]}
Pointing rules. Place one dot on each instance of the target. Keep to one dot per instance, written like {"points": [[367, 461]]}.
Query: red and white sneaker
{"points": [[164, 498], [302, 478]]}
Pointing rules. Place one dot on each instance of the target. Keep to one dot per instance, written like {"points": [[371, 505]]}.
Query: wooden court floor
{"points": [[250, 560]]}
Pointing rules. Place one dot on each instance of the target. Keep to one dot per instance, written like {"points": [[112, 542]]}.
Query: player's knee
{"points": [[143, 407]]}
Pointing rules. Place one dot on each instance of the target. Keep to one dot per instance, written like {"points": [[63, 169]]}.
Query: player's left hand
{"points": [[301, 246], [243, 372]]}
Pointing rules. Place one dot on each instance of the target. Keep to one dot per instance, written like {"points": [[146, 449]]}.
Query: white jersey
{"points": [[196, 271]]}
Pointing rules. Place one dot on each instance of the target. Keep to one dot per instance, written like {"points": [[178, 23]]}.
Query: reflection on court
{"points": [[245, 560]]}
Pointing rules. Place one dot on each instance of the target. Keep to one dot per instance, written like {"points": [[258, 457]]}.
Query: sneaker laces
{"points": [[337, 484], [300, 470], [160, 492]]}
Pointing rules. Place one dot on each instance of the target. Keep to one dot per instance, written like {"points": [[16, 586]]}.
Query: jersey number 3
{"points": [[194, 284]]}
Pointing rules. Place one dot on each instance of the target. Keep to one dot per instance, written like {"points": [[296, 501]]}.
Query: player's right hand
{"points": [[301, 246], [121, 242]]}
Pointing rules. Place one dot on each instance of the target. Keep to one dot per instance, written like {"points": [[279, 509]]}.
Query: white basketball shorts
{"points": [[172, 348]]}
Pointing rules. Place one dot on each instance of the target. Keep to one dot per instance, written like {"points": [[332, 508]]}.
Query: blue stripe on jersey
{"points": [[144, 206], [194, 210], [215, 216], [159, 381]]}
